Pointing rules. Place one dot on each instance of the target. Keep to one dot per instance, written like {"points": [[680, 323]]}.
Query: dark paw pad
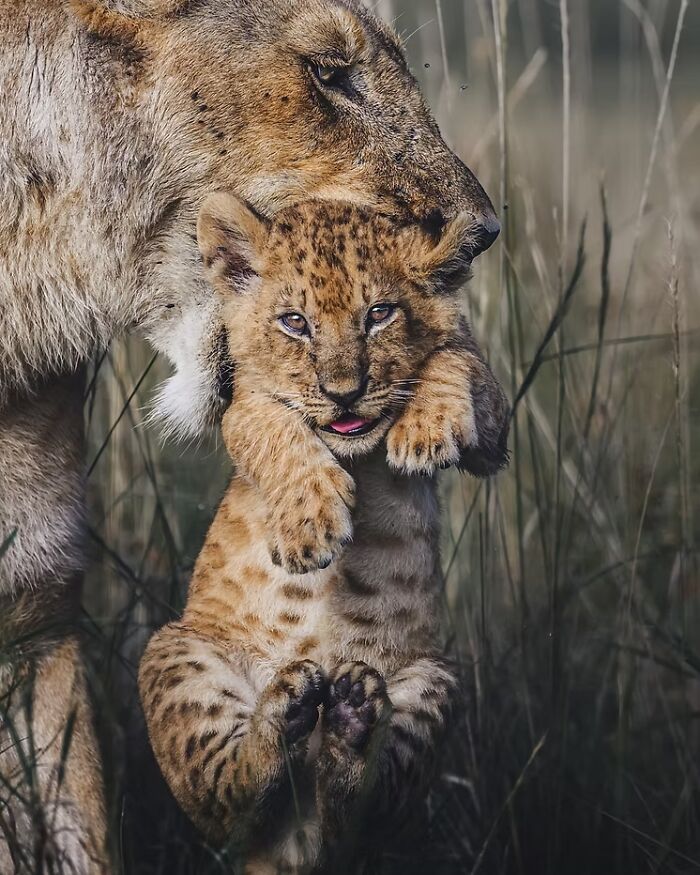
{"points": [[490, 457], [354, 703], [309, 690]]}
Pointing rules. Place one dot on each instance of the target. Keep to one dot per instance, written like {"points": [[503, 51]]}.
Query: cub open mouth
{"points": [[351, 425]]}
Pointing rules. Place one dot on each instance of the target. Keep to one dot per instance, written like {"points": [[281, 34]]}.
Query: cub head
{"points": [[331, 308]]}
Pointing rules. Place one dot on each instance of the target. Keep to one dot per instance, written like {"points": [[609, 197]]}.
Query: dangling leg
{"points": [[380, 741], [225, 730]]}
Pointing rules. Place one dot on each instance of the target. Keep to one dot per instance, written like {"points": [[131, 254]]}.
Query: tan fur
{"points": [[51, 801], [51, 806], [232, 692], [41, 483], [114, 127], [109, 25]]}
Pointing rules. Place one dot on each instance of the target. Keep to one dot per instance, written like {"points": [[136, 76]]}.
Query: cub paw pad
{"points": [[354, 703]]}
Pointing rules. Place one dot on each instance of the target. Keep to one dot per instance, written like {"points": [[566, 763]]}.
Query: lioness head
{"points": [[331, 308], [286, 100], [278, 101]]}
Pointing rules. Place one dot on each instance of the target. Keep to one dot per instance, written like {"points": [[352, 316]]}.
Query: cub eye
{"points": [[295, 323], [379, 314], [333, 77]]}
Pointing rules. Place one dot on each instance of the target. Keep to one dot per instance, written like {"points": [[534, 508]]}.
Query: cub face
{"points": [[332, 309]]}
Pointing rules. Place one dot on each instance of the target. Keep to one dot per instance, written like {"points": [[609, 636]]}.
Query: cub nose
{"points": [[344, 396]]}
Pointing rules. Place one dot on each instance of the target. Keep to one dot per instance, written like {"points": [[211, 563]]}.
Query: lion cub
{"points": [[303, 695]]}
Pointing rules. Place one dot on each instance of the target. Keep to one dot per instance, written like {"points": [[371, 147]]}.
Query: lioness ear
{"points": [[110, 25], [164, 7], [443, 262], [231, 237]]}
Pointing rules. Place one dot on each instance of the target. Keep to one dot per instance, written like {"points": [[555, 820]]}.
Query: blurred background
{"points": [[572, 583]]}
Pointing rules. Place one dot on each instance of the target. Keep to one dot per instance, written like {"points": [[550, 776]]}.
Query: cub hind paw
{"points": [[294, 697], [355, 703]]}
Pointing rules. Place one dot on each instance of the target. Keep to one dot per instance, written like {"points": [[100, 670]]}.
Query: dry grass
{"points": [[572, 585]]}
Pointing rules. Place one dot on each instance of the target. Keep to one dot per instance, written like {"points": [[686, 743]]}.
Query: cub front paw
{"points": [[425, 439], [492, 414], [355, 702], [313, 522], [293, 698]]}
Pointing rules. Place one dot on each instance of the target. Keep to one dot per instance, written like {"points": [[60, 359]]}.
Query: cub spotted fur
{"points": [[337, 320]]}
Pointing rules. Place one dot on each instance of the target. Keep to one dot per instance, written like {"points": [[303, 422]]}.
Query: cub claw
{"points": [[420, 443]]}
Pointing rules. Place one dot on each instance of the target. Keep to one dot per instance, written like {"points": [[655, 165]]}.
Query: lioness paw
{"points": [[426, 438], [312, 522]]}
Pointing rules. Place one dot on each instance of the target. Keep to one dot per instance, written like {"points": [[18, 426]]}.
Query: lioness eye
{"points": [[328, 75], [379, 314], [295, 323]]}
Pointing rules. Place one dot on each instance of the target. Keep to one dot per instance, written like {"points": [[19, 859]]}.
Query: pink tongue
{"points": [[348, 424]]}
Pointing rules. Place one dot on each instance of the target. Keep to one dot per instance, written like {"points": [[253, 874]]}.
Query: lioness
{"points": [[116, 118]]}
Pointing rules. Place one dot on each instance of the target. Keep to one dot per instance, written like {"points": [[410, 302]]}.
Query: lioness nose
{"points": [[488, 228], [343, 396], [484, 231]]}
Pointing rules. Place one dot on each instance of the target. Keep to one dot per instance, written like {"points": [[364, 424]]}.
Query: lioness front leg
{"points": [[308, 494], [219, 725], [380, 741], [458, 415], [52, 815]]}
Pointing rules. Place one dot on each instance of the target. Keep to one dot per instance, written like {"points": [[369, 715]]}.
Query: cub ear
{"points": [[441, 262], [232, 238]]}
